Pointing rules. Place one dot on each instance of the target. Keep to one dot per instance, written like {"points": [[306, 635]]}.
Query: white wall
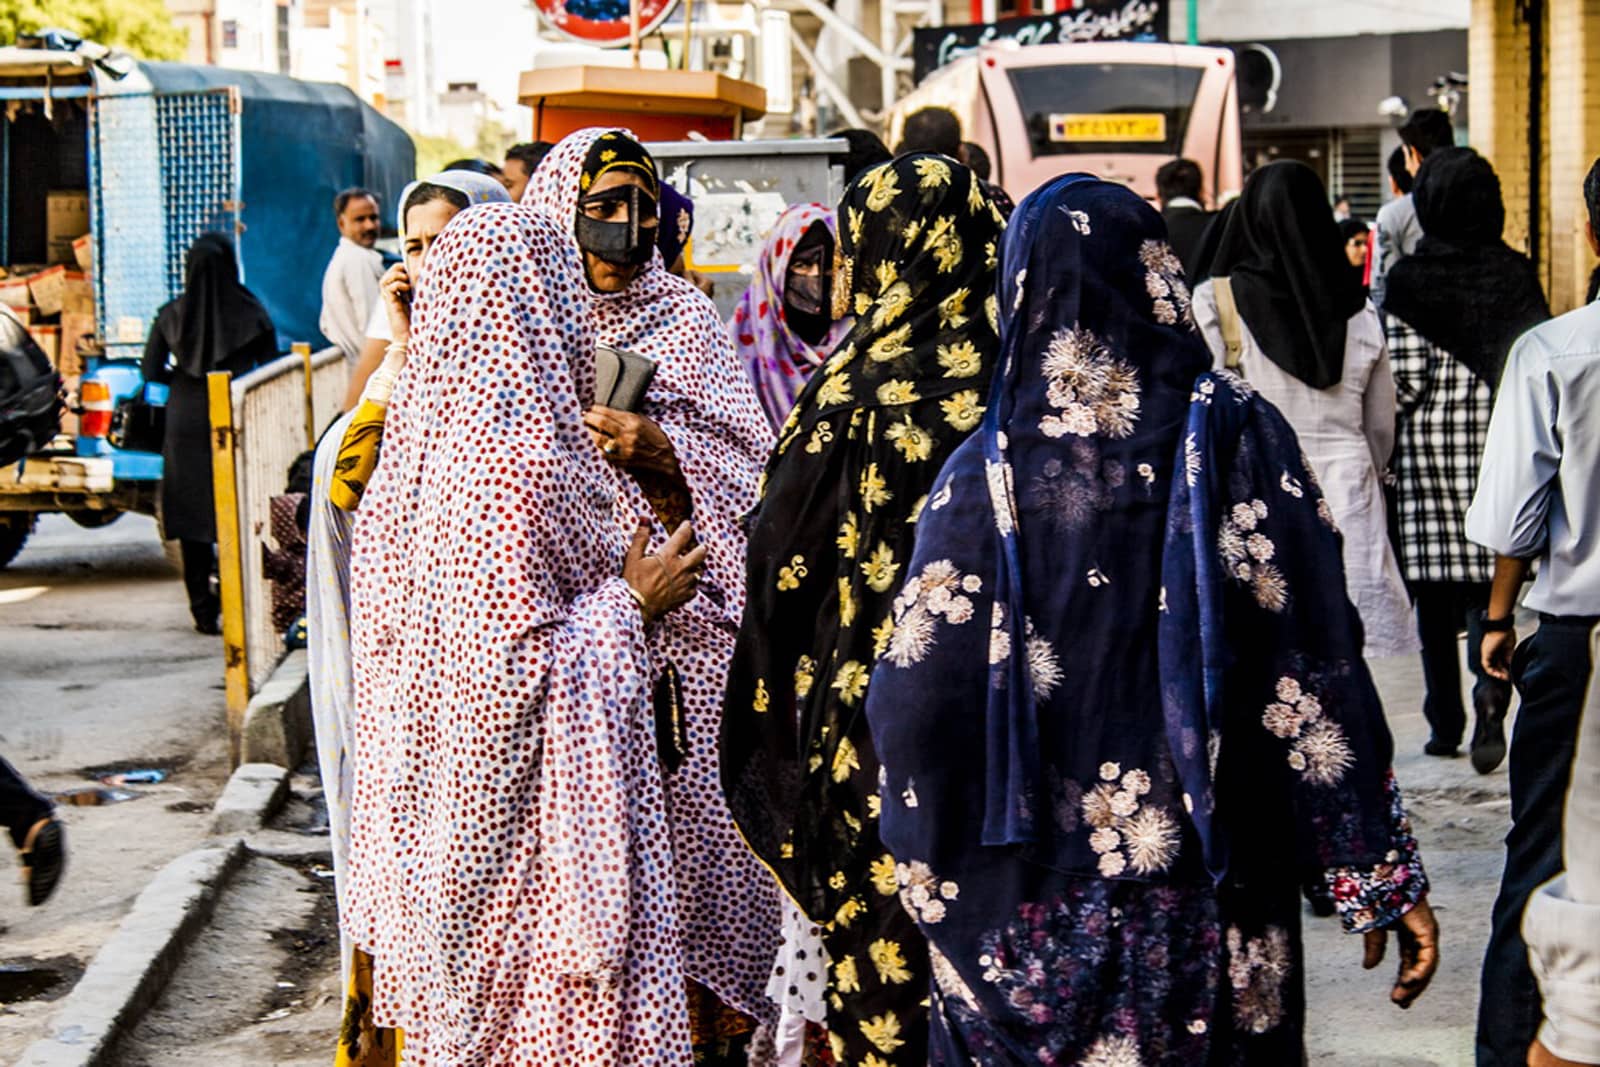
{"points": [[1265, 20]]}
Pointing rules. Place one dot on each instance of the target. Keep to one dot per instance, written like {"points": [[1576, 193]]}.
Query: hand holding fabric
{"points": [[1417, 932], [667, 580], [631, 441]]}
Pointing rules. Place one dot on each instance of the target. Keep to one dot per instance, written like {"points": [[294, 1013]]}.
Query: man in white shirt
{"points": [[350, 284], [1538, 499]]}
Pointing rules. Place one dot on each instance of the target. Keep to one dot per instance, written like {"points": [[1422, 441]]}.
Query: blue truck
{"points": [[162, 153]]}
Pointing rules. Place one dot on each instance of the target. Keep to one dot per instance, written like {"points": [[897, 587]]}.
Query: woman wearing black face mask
{"points": [[784, 328], [701, 431]]}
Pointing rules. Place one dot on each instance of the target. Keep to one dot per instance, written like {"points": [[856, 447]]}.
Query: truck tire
{"points": [[95, 518], [15, 527]]}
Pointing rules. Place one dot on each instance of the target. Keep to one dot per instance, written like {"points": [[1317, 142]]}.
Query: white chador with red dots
{"points": [[704, 402], [511, 860]]}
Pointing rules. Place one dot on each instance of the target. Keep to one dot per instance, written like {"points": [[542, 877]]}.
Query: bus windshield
{"points": [[1075, 109]]}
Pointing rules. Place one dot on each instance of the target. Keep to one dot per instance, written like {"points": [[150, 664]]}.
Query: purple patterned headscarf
{"points": [[778, 361]]}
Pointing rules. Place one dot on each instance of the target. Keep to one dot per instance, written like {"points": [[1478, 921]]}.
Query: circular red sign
{"points": [[602, 22]]}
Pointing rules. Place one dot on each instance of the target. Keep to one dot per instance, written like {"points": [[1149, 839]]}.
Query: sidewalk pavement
{"points": [[1460, 819]]}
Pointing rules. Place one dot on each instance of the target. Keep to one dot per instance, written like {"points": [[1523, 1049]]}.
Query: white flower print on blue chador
{"points": [[939, 592], [1095, 392], [1247, 555], [1163, 280]]}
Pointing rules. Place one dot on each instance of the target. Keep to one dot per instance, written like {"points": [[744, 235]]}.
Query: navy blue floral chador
{"points": [[1123, 717]]}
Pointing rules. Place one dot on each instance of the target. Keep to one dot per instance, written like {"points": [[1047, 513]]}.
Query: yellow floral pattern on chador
{"points": [[828, 548]]}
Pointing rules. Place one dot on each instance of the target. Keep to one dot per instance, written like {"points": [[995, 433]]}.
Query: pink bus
{"points": [[1116, 109]]}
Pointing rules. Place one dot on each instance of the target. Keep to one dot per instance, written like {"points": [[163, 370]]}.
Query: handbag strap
{"points": [[1228, 320]]}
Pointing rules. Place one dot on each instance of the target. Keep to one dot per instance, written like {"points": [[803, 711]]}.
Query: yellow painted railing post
{"points": [[303, 350], [230, 555]]}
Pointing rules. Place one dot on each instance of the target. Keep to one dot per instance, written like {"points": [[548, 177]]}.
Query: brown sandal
{"points": [[44, 857]]}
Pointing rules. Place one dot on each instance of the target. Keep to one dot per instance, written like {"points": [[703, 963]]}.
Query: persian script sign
{"points": [[1119, 20], [1130, 127]]}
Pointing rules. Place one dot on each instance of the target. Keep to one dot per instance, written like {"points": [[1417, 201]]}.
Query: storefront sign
{"points": [[1119, 20]]}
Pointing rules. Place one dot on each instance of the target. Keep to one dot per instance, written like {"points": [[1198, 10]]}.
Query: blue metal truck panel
{"points": [[127, 219], [298, 144]]}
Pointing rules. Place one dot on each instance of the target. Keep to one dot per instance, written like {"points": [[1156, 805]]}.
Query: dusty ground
{"points": [[99, 667]]}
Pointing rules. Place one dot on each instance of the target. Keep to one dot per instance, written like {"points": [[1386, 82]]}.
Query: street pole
{"points": [[1193, 7]]}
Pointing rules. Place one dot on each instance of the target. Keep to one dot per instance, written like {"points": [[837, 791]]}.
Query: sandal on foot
{"points": [[44, 857]]}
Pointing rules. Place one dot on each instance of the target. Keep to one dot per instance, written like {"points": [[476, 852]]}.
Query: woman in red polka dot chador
{"points": [[511, 864], [702, 428]]}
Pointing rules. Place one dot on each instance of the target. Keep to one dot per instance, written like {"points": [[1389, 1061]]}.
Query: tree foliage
{"points": [[434, 152], [142, 27]]}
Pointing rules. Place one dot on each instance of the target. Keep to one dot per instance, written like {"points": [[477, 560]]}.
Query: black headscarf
{"points": [[1464, 289], [216, 317], [1291, 280]]}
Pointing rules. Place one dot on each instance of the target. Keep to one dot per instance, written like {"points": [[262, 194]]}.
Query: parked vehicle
{"points": [[1116, 109], [158, 153]]}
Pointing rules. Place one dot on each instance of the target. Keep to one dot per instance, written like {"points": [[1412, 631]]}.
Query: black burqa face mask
{"points": [[628, 238], [807, 297], [622, 242]]}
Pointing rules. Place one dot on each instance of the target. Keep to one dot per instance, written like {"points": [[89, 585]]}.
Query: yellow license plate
{"points": [[1131, 128]]}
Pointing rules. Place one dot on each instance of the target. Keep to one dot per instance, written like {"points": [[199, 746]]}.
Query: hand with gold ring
{"points": [[632, 441]]}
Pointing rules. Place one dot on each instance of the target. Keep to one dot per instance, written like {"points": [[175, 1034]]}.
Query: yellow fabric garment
{"points": [[360, 1043], [358, 456]]}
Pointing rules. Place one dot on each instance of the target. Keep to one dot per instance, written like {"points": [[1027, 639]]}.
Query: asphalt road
{"points": [[100, 668]]}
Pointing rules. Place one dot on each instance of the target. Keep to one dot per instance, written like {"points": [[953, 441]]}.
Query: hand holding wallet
{"points": [[621, 378]]}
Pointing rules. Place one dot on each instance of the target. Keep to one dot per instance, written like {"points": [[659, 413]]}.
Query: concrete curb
{"points": [[277, 724], [253, 794], [131, 970]]}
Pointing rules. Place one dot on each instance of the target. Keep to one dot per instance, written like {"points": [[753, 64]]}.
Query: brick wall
{"points": [[1574, 143], [1498, 54]]}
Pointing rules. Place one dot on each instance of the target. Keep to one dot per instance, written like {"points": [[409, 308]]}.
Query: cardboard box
{"points": [[66, 220], [14, 292], [77, 294], [83, 252], [49, 339], [57, 289], [76, 328]]}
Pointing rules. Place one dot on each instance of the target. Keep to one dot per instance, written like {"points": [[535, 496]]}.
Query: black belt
{"points": [[1584, 622]]}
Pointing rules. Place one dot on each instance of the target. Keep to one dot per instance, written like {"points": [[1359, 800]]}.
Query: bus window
{"points": [[1078, 109]]}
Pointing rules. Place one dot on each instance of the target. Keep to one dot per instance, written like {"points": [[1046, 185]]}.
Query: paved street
{"points": [[99, 667]]}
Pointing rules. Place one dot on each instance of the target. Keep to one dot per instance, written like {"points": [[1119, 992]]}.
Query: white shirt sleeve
{"points": [[349, 289], [1520, 458], [378, 324]]}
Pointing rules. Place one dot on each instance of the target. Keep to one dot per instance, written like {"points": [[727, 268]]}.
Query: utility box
{"points": [[739, 189]]}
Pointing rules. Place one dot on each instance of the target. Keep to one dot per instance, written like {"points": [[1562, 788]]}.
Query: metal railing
{"points": [[259, 423]]}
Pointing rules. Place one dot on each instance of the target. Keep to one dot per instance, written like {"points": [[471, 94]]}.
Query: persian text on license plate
{"points": [[1108, 127]]}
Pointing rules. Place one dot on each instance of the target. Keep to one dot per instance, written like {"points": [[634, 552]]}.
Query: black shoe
{"points": [[1436, 747], [209, 627], [1489, 732], [44, 857]]}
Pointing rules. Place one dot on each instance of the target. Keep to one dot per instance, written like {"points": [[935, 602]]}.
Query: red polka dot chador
{"points": [[512, 868]]}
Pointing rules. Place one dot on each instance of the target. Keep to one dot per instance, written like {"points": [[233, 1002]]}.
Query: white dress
{"points": [[1347, 433]]}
